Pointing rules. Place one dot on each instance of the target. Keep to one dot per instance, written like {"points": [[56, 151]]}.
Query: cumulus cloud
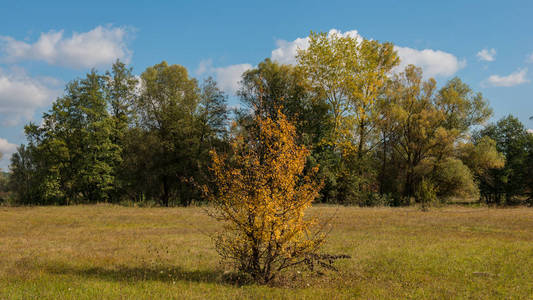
{"points": [[6, 148], [486, 54], [530, 131], [205, 66], [433, 62], [98, 47], [286, 51], [515, 78], [228, 77], [21, 95]]}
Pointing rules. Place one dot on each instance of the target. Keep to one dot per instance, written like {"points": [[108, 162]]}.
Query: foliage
{"points": [[375, 131], [113, 137], [71, 155], [452, 178], [349, 76], [261, 195], [507, 184], [426, 193], [421, 129], [5, 191]]}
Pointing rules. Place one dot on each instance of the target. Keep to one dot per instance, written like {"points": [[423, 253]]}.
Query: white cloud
{"points": [[486, 54], [98, 47], [433, 62], [21, 95], [205, 66], [515, 78], [228, 77], [286, 51], [6, 148], [530, 131]]}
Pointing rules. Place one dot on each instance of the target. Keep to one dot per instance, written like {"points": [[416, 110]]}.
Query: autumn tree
{"points": [[272, 87], [261, 195], [423, 129], [349, 74], [414, 122]]}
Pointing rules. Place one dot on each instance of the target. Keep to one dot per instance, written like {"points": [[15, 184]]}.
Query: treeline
{"points": [[379, 136]]}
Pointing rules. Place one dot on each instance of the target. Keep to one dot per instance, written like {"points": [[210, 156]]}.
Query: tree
{"points": [[349, 74], [167, 107], [423, 128], [23, 181], [72, 151], [212, 111], [414, 122], [120, 87], [272, 87], [482, 157], [261, 195], [505, 184]]}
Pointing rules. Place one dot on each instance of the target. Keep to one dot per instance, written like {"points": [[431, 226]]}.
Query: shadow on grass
{"points": [[129, 274]]}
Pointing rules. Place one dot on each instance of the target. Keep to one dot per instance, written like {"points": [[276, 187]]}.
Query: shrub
{"points": [[261, 196]]}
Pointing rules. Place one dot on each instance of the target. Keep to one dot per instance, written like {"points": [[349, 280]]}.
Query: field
{"points": [[103, 251]]}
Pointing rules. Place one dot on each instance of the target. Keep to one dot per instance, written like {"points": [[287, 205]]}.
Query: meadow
{"points": [[116, 252]]}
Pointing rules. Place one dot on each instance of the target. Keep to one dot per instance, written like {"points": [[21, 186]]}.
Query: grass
{"points": [[113, 252]]}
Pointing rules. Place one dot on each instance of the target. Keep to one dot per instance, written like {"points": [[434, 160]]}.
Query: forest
{"points": [[373, 135]]}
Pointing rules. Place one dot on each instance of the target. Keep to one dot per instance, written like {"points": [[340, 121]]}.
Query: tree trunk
{"points": [[166, 193]]}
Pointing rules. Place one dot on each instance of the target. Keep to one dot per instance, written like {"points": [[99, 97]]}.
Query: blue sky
{"points": [[44, 44]]}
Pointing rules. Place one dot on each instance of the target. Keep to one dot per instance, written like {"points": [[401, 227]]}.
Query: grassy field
{"points": [[99, 252]]}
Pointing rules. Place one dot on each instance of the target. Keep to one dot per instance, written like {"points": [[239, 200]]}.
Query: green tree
{"points": [[73, 148], [212, 112], [422, 128], [512, 140], [24, 180], [167, 108], [120, 86], [482, 156]]}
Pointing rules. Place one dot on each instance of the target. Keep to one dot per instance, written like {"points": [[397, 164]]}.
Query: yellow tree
{"points": [[261, 194], [350, 74], [415, 124]]}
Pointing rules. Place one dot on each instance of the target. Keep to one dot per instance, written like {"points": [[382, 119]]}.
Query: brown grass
{"points": [[103, 251]]}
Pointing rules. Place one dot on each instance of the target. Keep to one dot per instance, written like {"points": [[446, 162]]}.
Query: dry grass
{"points": [[89, 252]]}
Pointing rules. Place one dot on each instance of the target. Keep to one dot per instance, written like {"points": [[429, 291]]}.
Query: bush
{"points": [[261, 196], [426, 193]]}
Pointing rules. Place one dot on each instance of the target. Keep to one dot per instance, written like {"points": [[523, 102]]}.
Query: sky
{"points": [[46, 44]]}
